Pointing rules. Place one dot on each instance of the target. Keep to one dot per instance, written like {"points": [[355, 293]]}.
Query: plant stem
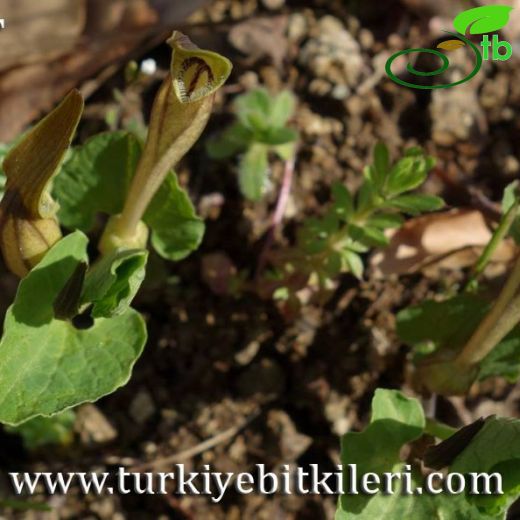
{"points": [[497, 323], [505, 323], [279, 212], [499, 234]]}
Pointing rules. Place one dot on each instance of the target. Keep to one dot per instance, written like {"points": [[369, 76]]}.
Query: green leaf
{"points": [[386, 221], [253, 172], [381, 164], [371, 175], [354, 263], [395, 418], [396, 421], [314, 234], [436, 347], [257, 100], [253, 109], [233, 140], [176, 228], [95, 178], [510, 196], [415, 204], [343, 201], [365, 196], [276, 136], [480, 20], [47, 365], [406, 175], [66, 304], [282, 108], [504, 359], [418, 327], [265, 115], [113, 282], [258, 123], [333, 264], [397, 507], [370, 236], [44, 431], [285, 151], [496, 447], [459, 317]]}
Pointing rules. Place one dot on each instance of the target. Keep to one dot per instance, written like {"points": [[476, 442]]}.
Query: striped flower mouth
{"points": [[196, 73]]}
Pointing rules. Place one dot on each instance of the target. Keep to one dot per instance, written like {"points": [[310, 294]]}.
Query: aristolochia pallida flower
{"points": [[179, 114], [28, 224]]}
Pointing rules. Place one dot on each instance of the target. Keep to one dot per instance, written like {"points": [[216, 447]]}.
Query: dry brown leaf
{"points": [[50, 47], [39, 30], [449, 240]]}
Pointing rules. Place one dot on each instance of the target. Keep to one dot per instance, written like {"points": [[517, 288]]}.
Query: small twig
{"points": [[206, 445], [279, 212]]}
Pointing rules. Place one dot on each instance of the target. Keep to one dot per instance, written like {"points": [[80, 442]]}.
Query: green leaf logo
{"points": [[480, 20]]}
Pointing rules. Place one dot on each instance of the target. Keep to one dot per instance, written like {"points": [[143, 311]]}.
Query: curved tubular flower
{"points": [[28, 223], [180, 112]]}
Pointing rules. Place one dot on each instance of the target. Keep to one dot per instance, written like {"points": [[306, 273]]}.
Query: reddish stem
{"points": [[279, 212]]}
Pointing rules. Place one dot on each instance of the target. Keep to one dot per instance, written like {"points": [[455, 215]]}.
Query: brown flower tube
{"points": [[28, 223], [180, 112]]}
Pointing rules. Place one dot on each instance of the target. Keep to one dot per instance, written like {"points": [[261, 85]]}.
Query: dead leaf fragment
{"points": [[449, 240], [38, 31], [50, 47]]}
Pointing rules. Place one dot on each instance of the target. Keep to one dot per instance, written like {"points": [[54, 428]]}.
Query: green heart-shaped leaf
{"points": [[47, 365], [177, 230], [95, 178]]}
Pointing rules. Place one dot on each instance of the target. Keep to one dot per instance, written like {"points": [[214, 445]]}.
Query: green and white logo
{"points": [[480, 20]]}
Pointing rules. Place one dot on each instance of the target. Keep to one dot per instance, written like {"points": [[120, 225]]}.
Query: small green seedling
{"points": [[259, 130], [353, 223], [71, 336]]}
